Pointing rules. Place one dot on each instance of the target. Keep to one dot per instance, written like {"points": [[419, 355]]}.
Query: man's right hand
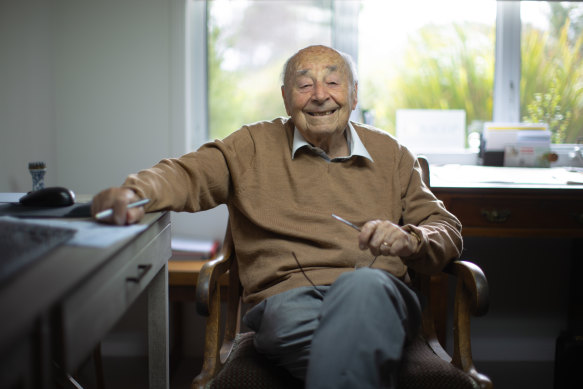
{"points": [[118, 200]]}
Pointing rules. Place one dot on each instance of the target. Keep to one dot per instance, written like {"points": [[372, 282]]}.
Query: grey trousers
{"points": [[347, 335]]}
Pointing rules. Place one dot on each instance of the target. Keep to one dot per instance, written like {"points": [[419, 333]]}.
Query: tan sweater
{"points": [[279, 205]]}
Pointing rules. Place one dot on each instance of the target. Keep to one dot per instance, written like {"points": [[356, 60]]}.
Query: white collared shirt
{"points": [[355, 146]]}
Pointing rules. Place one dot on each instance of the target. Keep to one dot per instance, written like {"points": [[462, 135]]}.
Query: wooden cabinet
{"points": [[513, 211]]}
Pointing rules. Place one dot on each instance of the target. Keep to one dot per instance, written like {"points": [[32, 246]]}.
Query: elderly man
{"points": [[330, 304]]}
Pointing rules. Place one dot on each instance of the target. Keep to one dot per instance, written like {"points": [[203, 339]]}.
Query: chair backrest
{"points": [[424, 163]]}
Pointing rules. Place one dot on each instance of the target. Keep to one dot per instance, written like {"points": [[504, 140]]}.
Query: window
{"points": [[452, 54]]}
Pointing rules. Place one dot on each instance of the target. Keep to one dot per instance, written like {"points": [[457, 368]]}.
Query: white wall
{"points": [[111, 88], [96, 90], [27, 132]]}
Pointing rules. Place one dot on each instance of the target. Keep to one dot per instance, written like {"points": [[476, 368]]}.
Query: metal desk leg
{"points": [[158, 351]]}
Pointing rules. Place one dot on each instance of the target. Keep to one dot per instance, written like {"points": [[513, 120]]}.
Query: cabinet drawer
{"points": [[517, 212], [97, 305]]}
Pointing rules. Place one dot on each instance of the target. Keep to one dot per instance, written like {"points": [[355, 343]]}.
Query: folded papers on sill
{"points": [[184, 248], [516, 145]]}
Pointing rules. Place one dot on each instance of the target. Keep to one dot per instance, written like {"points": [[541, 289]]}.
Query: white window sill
{"points": [[569, 155], [462, 157]]}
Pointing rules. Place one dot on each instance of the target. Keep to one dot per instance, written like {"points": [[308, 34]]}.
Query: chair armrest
{"points": [[475, 283], [208, 303], [471, 297], [209, 277]]}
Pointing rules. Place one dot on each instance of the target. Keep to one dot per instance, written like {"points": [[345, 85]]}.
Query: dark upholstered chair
{"points": [[231, 361]]}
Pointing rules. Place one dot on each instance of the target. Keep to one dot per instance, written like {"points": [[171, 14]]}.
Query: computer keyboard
{"points": [[22, 243]]}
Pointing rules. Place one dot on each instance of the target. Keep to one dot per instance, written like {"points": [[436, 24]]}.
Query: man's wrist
{"points": [[416, 239]]}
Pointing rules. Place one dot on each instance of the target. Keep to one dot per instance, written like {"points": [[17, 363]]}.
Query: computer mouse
{"points": [[55, 196]]}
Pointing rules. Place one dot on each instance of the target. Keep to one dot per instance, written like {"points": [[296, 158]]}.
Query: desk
{"points": [[502, 208], [61, 307], [507, 209], [498, 207]]}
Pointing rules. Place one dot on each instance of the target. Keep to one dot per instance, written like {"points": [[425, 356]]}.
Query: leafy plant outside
{"points": [[552, 83]]}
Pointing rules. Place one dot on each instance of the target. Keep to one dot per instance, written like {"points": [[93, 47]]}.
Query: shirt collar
{"points": [[355, 145]]}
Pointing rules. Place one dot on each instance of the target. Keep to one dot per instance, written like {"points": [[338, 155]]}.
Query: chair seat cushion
{"points": [[247, 369], [421, 368]]}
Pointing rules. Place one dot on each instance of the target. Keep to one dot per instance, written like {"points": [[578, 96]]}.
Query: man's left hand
{"points": [[382, 237]]}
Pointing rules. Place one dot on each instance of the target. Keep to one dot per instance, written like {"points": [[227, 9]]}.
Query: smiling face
{"points": [[319, 95]]}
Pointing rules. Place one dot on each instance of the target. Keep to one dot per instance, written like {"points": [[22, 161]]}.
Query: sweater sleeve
{"points": [[196, 181], [426, 216]]}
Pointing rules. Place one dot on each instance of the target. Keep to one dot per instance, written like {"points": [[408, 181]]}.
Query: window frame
{"points": [[507, 68], [197, 129]]}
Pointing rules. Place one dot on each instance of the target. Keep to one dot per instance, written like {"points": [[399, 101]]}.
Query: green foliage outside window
{"points": [[552, 82], [546, 108], [238, 97], [443, 67], [224, 94]]}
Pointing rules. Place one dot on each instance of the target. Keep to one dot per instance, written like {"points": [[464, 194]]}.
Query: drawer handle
{"points": [[142, 270], [496, 216]]}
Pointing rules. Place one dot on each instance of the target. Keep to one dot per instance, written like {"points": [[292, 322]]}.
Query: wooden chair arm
{"points": [[208, 281], [475, 283], [210, 274], [471, 298], [221, 329]]}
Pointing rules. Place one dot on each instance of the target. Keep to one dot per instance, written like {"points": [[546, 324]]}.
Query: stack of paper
{"points": [[523, 144]]}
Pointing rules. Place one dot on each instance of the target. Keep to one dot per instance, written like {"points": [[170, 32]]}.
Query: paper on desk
{"points": [[572, 176], [89, 233], [469, 174]]}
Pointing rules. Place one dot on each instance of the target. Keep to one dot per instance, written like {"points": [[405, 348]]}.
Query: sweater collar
{"points": [[355, 145]]}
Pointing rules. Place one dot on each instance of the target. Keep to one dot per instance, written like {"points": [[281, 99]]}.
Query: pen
{"points": [[357, 228], [108, 212]]}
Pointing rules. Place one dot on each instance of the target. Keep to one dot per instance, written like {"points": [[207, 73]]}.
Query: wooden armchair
{"points": [[230, 360]]}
